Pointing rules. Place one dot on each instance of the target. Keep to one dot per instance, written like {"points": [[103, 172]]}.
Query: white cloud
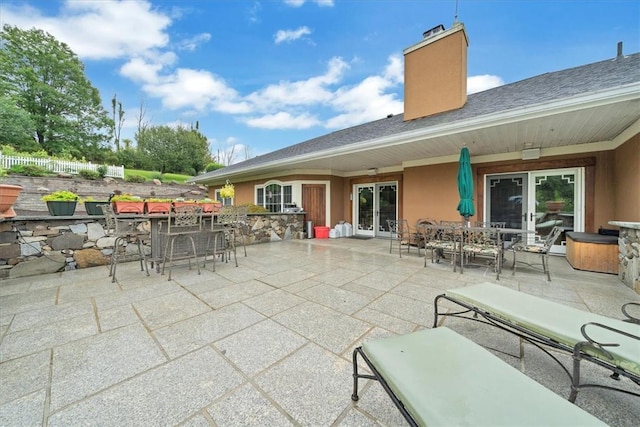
{"points": [[367, 100], [480, 83], [283, 120], [291, 35], [298, 3], [95, 30], [304, 92], [192, 43], [188, 88]]}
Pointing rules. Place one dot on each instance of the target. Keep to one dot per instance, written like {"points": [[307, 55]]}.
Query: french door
{"points": [[373, 205], [538, 201]]}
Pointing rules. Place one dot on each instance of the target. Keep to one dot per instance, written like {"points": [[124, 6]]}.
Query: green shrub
{"points": [[156, 175], [254, 208], [213, 166], [135, 179], [102, 171], [89, 174], [62, 195], [29, 170], [124, 197]]}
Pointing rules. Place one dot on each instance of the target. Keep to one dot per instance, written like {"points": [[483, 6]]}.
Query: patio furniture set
{"points": [[436, 376], [185, 234], [465, 245]]}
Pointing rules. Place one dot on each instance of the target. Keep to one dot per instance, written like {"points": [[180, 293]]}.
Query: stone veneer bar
{"points": [[45, 244], [629, 253]]}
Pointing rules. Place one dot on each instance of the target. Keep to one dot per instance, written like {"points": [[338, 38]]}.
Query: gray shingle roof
{"points": [[548, 87]]}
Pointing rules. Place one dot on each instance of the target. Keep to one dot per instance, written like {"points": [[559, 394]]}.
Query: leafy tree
{"points": [[47, 80], [16, 127], [169, 150]]}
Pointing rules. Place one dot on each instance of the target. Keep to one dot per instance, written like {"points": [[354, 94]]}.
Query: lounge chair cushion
{"points": [[556, 321], [443, 378]]}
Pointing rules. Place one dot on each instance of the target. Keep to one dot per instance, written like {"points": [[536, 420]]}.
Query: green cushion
{"points": [[555, 321], [445, 379]]}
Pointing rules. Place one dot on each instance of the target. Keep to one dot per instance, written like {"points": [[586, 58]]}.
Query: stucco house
{"points": [[572, 135]]}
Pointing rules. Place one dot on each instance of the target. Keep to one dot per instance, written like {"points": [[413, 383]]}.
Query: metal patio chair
{"points": [[541, 249], [184, 222], [126, 231], [221, 239]]}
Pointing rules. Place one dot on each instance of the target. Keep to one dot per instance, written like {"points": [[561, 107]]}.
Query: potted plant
{"points": [[227, 191], [181, 201], [61, 203], [155, 205], [127, 203], [92, 206], [209, 206], [557, 204], [8, 196]]}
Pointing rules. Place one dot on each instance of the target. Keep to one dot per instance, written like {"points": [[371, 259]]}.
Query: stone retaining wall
{"points": [[38, 246]]}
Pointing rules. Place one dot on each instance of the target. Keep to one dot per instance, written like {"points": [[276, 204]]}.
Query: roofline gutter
{"points": [[593, 99]]}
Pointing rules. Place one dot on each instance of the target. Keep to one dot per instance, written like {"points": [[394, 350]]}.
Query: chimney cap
{"points": [[433, 31]]}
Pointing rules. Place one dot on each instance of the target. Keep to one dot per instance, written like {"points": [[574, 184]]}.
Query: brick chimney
{"points": [[435, 72]]}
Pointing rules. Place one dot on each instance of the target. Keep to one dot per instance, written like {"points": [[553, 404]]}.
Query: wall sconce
{"points": [[372, 171], [531, 154]]}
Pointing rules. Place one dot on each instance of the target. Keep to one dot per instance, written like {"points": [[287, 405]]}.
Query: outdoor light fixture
{"points": [[530, 154], [372, 171]]}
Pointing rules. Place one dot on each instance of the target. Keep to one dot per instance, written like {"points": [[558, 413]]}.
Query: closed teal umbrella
{"points": [[465, 185]]}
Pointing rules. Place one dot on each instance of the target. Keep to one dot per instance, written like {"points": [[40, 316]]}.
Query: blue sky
{"points": [[261, 75]]}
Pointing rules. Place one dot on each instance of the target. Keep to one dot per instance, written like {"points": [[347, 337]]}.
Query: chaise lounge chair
{"points": [[437, 377], [610, 343]]}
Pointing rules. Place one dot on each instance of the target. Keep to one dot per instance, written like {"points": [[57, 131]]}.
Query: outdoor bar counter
{"points": [[40, 243], [629, 253]]}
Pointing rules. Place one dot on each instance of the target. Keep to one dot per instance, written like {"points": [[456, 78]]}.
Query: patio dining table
{"points": [[459, 232]]}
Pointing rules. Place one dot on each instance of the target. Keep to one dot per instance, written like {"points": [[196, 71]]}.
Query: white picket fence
{"points": [[57, 166]]}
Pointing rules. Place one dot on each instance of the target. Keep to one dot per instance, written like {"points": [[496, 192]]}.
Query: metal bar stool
{"points": [[183, 222], [125, 231], [222, 236]]}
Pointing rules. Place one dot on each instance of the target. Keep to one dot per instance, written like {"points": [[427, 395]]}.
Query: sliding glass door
{"points": [[538, 201]]}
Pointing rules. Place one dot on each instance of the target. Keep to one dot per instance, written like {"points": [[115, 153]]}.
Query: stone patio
{"points": [[266, 344]]}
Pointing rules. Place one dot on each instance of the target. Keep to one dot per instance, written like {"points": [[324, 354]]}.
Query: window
{"points": [[225, 201], [274, 197]]}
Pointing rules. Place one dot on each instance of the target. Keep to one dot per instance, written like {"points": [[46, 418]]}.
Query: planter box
{"points": [[93, 208], [128, 207], [152, 208], [178, 204], [61, 208], [212, 207]]}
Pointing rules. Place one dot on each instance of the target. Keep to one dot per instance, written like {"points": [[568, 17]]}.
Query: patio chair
{"points": [[184, 222], [541, 249], [125, 231], [482, 243], [607, 342], [241, 223], [428, 238], [400, 231], [221, 239]]}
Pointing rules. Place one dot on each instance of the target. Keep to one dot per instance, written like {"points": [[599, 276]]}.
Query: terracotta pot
{"points": [[8, 196], [157, 207], [554, 205], [211, 207], [128, 206]]}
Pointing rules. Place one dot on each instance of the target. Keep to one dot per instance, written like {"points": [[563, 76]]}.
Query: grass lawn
{"points": [[150, 175]]}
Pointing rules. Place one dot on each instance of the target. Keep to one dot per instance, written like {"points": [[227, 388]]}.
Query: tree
{"points": [[47, 80], [117, 124], [16, 127], [179, 150]]}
